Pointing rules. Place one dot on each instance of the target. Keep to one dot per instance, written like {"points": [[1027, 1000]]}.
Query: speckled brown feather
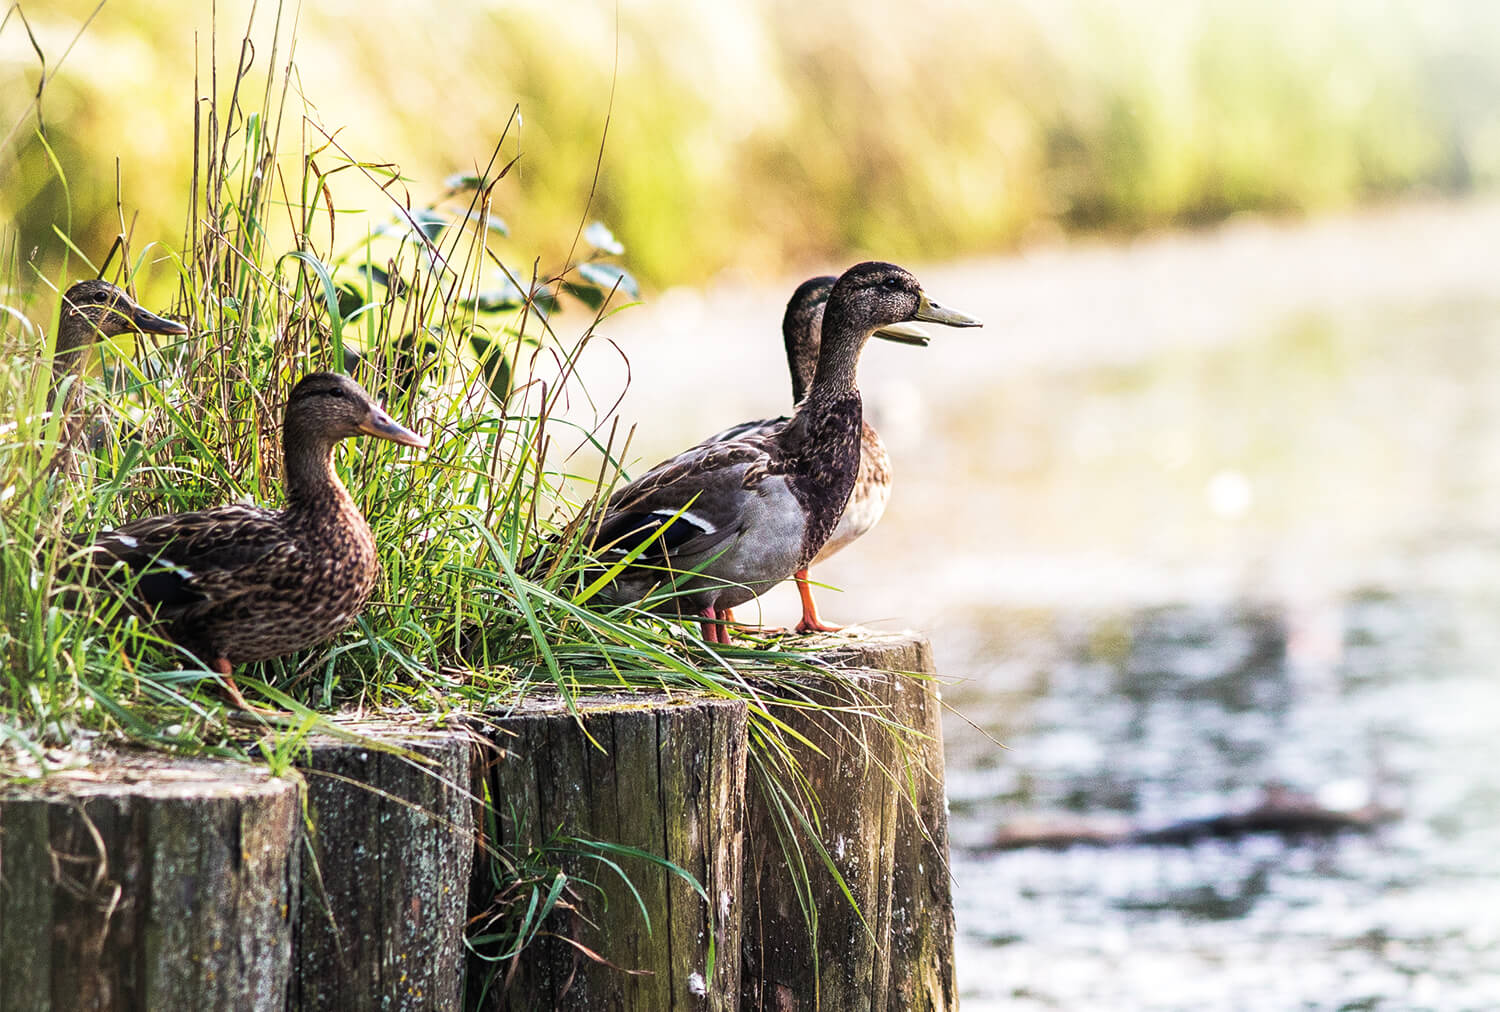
{"points": [[247, 584]]}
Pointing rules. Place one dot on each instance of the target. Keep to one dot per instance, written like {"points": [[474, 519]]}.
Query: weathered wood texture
{"points": [[383, 907], [666, 776], [148, 884], [884, 823]]}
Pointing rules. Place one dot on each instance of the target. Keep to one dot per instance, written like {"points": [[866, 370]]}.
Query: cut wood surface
{"points": [[384, 903], [883, 821], [148, 883], [663, 774]]}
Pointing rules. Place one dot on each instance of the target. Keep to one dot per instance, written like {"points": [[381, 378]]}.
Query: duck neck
{"points": [[838, 355], [311, 482], [802, 366], [73, 338], [823, 436], [802, 350]]}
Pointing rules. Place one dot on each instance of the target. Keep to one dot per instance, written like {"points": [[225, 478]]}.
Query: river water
{"points": [[1195, 518]]}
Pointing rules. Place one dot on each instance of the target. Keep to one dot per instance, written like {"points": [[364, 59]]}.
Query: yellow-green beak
{"points": [[930, 312], [382, 426]]}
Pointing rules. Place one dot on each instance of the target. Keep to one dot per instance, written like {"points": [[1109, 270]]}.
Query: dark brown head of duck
{"points": [[868, 298], [90, 310], [802, 330]]}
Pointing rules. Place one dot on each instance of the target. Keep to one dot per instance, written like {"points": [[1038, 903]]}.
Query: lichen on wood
{"points": [[385, 897], [661, 774], [144, 882], [875, 766]]}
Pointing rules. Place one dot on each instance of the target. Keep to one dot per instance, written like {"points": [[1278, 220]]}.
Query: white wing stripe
{"points": [[687, 516]]}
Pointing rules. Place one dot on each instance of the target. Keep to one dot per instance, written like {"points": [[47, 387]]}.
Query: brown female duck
{"points": [[91, 310], [724, 521], [236, 584], [94, 309]]}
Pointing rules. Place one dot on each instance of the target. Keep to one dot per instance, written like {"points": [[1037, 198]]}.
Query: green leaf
{"points": [[351, 299], [430, 222], [380, 277], [423, 219], [605, 276], [601, 238], [425, 347], [493, 300], [587, 294], [544, 300]]}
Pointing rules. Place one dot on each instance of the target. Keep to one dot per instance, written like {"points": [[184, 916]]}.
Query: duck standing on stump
{"points": [[732, 518], [236, 584], [801, 330]]}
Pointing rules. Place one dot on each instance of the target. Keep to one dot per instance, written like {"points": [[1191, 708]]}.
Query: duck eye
{"points": [[891, 284]]}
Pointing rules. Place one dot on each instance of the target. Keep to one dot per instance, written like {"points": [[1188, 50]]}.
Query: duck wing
{"points": [[696, 501], [759, 428], [190, 561]]}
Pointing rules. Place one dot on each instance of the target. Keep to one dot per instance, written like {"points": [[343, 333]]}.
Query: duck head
{"points": [[869, 297], [802, 327], [327, 407], [98, 307], [876, 295]]}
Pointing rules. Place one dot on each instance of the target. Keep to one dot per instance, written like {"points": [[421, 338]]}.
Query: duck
{"points": [[801, 329], [95, 308], [92, 309], [727, 519], [237, 584]]}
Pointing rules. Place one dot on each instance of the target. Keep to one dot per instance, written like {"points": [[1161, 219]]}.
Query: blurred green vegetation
{"points": [[754, 134]]}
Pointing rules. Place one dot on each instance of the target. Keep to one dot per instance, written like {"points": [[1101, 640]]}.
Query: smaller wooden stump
{"points": [[148, 883], [884, 822], [384, 904], [659, 773]]}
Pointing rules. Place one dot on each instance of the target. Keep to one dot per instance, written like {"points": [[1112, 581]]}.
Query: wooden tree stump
{"points": [[667, 777], [887, 835], [384, 904], [148, 883]]}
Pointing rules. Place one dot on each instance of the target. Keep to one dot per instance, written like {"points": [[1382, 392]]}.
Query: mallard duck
{"points": [[236, 584], [90, 310], [801, 331], [726, 520]]}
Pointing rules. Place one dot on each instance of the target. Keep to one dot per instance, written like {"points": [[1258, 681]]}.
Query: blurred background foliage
{"points": [[754, 135]]}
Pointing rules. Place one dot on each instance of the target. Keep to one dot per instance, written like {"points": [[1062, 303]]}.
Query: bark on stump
{"points": [[887, 836], [666, 776], [147, 883], [383, 907]]}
